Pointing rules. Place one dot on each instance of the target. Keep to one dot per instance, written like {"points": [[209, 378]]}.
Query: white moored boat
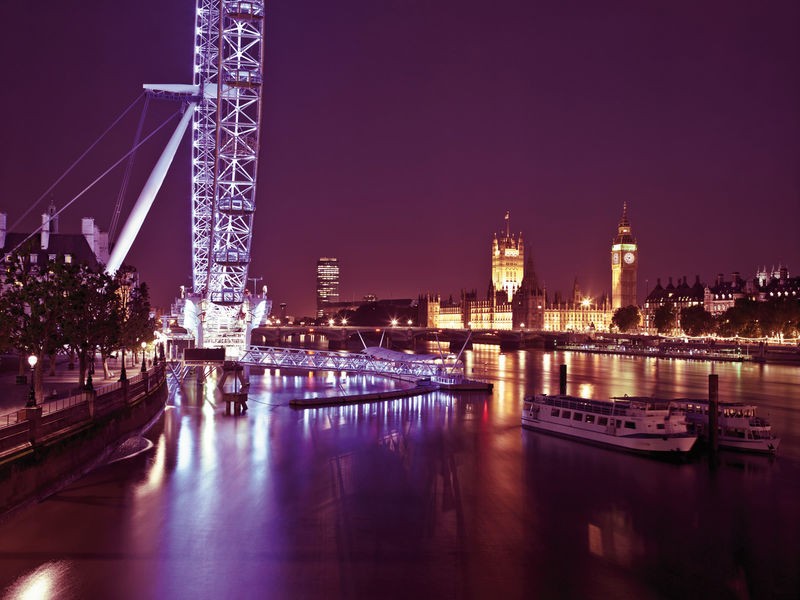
{"points": [[633, 424], [739, 428]]}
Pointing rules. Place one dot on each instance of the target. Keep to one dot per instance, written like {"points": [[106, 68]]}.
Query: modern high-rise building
{"points": [[327, 284], [508, 261], [624, 264]]}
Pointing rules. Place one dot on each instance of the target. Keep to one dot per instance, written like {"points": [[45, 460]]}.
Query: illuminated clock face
{"points": [[615, 257], [629, 258]]}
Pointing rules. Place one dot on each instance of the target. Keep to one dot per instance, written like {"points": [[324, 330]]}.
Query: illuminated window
{"points": [[590, 418], [68, 258], [34, 259]]}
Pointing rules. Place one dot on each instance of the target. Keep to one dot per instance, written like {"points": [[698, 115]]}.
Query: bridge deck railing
{"points": [[322, 360]]}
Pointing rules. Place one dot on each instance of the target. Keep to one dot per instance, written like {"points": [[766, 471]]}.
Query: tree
{"points": [[664, 318], [93, 306], [136, 325], [741, 319], [33, 304], [626, 318], [696, 320]]}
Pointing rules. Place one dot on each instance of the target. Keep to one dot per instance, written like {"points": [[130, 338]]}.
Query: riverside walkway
{"points": [[65, 405]]}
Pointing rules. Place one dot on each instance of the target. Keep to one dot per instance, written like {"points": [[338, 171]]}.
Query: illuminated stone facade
{"points": [[724, 294], [515, 300], [508, 261], [624, 264]]}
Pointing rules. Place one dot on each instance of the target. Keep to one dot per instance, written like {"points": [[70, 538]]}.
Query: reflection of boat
{"points": [[739, 428], [632, 424]]}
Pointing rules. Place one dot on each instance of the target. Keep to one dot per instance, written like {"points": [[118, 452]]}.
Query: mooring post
{"points": [[562, 380], [713, 407]]}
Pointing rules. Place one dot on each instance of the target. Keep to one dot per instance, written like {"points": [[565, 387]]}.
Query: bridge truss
{"points": [[315, 360]]}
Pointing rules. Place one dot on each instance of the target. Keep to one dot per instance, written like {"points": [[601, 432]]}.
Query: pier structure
{"points": [[414, 368]]}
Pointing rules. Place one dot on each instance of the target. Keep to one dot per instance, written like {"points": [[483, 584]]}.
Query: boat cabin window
{"points": [[630, 425], [555, 412], [590, 418], [566, 414], [602, 421], [659, 426], [577, 416]]}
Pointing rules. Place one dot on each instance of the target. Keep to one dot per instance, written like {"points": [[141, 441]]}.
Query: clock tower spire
{"points": [[624, 264]]}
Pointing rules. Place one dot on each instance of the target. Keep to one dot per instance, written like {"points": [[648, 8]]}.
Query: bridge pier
{"points": [[236, 400], [456, 345]]}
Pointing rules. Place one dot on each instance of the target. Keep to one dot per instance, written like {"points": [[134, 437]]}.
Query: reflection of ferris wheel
{"points": [[224, 102]]}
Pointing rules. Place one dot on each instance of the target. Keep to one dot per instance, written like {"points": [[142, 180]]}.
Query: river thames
{"points": [[436, 496]]}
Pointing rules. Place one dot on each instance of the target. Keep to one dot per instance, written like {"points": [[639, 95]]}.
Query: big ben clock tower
{"points": [[624, 264]]}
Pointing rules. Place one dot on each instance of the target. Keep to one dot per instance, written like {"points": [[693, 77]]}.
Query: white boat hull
{"points": [[756, 446], [641, 443]]}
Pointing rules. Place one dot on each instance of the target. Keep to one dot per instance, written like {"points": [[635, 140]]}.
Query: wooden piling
{"points": [[562, 380], [713, 412]]}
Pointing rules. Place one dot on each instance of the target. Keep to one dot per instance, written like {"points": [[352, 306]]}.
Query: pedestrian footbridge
{"points": [[375, 361]]}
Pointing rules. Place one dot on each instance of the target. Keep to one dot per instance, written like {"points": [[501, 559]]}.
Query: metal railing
{"points": [[321, 360], [16, 429]]}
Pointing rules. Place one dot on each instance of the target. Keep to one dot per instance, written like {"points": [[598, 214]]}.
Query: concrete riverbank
{"points": [[44, 445]]}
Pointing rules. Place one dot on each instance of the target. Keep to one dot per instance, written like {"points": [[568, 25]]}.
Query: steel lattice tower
{"points": [[228, 63]]}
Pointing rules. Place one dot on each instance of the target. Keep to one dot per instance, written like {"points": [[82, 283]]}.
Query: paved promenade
{"points": [[13, 396]]}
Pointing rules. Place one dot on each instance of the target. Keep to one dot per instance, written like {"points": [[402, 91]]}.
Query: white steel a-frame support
{"points": [[147, 195]]}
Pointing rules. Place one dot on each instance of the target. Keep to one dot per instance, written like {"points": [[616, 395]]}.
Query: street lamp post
{"points": [[32, 359], [123, 376], [144, 366]]}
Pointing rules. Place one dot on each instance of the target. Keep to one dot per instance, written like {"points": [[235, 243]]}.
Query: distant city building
{"points": [[508, 261], [624, 264], [48, 244], [327, 285], [530, 301], [719, 297], [775, 284], [580, 314], [679, 297], [526, 308], [724, 294]]}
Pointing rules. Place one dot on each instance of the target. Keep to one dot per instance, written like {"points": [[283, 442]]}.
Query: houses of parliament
{"points": [[516, 300]]}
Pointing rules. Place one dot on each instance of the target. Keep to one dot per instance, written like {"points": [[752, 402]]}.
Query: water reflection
{"points": [[441, 494]]}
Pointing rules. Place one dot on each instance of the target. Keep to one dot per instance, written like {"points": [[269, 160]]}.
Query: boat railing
{"points": [[581, 404]]}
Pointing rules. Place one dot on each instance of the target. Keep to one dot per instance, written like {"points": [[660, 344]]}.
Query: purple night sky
{"points": [[396, 133]]}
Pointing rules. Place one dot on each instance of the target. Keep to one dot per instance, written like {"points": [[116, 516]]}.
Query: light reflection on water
{"points": [[441, 494]]}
